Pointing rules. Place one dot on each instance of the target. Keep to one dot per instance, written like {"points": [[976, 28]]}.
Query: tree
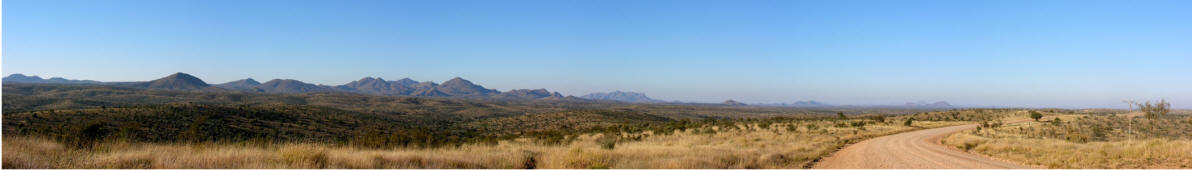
{"points": [[1158, 109], [1036, 115], [841, 115]]}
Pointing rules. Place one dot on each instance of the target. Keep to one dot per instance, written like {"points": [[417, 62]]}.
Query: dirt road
{"points": [[910, 150]]}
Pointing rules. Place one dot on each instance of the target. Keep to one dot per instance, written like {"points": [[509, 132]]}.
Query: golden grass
{"points": [[1006, 143], [749, 147]]}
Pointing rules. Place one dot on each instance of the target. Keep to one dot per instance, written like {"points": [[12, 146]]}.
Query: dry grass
{"points": [[748, 146], [1050, 145]]}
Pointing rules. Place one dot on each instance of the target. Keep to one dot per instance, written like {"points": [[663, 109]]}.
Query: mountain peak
{"points": [[457, 80], [370, 78], [289, 86], [405, 82], [251, 81], [178, 81], [731, 102], [369, 82], [18, 75], [21, 78], [459, 86], [242, 84]]}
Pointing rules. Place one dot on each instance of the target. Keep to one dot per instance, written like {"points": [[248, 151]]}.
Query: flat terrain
{"points": [[911, 150]]}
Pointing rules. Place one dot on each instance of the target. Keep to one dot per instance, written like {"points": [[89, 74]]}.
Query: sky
{"points": [[1004, 53]]}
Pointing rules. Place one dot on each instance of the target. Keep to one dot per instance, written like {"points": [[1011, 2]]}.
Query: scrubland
{"points": [[56, 126], [1086, 141], [764, 144]]}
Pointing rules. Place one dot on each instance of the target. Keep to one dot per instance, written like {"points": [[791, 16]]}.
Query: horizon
{"points": [[829, 104], [1078, 54]]}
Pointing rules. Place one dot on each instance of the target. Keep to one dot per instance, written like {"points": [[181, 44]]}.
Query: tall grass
{"points": [[1080, 141], [779, 145]]}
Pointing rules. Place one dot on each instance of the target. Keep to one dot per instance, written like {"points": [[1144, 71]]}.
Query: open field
{"points": [[789, 144], [1086, 141]]}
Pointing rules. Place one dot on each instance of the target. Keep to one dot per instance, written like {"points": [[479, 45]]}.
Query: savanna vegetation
{"points": [[763, 143], [1148, 138], [73, 126]]}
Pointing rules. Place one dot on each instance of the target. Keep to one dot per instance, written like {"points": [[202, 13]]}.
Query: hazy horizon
{"points": [[1069, 54]]}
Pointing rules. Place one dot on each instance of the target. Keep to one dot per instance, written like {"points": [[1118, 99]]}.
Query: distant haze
{"points": [[1071, 54]]}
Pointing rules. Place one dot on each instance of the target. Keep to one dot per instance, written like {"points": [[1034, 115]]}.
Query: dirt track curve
{"points": [[910, 150]]}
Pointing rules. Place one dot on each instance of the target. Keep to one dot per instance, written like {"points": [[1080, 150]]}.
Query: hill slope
{"points": [[289, 86], [243, 84], [177, 81]]}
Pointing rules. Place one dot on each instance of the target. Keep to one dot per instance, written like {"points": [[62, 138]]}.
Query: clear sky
{"points": [[1081, 53]]}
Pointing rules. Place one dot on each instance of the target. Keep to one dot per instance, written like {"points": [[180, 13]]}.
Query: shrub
{"points": [[858, 124], [607, 141], [87, 135], [1152, 111], [908, 122]]}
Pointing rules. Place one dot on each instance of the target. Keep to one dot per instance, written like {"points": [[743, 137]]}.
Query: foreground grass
{"points": [[781, 145], [1084, 142]]}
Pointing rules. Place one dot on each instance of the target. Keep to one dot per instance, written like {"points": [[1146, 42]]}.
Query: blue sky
{"points": [[1081, 53]]}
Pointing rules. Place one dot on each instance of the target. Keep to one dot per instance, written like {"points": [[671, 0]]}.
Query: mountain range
{"points": [[21, 78], [456, 87]]}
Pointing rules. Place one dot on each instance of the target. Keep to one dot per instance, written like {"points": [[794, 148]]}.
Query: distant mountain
{"points": [[460, 87], [243, 84], [925, 104], [809, 103], [531, 94], [370, 85], [426, 88], [289, 86], [177, 81], [404, 82], [633, 97], [21, 78], [731, 102]]}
